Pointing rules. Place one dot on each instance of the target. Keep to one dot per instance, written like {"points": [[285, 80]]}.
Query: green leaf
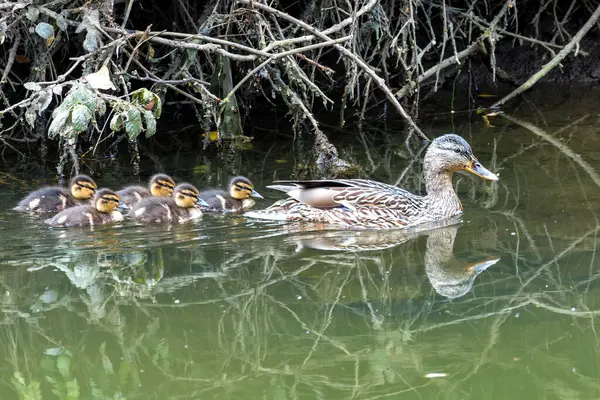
{"points": [[80, 117], [157, 107], [48, 364], [81, 94], [72, 390], [142, 96], [29, 391], [124, 370], [150, 123], [133, 125], [69, 134], [200, 169], [45, 30], [106, 363], [92, 38], [63, 362], [60, 117], [100, 107], [146, 98], [44, 100], [32, 14], [61, 22], [30, 116], [117, 121], [18, 379], [34, 86]]}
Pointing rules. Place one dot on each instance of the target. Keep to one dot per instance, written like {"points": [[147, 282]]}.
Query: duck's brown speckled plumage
{"points": [[369, 204]]}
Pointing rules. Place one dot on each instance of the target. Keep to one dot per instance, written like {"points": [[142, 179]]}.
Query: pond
{"points": [[501, 303]]}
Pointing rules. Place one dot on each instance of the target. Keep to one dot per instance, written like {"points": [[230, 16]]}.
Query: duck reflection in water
{"points": [[449, 277]]}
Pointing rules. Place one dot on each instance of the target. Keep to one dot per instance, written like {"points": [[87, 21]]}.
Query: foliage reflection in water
{"points": [[501, 303]]}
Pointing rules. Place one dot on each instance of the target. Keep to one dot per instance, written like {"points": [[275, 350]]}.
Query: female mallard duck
{"points": [[182, 207], [238, 198], [160, 185], [103, 211], [57, 198], [369, 204]]}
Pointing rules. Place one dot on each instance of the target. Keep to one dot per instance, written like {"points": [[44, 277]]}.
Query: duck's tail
{"points": [[283, 188]]}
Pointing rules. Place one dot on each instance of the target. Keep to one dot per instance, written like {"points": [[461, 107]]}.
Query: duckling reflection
{"points": [[448, 276]]}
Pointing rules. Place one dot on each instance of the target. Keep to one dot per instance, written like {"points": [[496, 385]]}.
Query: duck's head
{"points": [[451, 153], [187, 196], [107, 201], [162, 185], [82, 187], [240, 188]]}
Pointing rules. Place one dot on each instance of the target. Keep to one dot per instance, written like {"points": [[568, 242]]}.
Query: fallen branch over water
{"points": [[553, 62]]}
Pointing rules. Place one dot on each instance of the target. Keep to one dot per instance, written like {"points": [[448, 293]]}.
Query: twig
{"points": [[175, 88], [127, 12], [368, 70], [280, 55], [11, 59], [190, 36], [557, 143], [333, 29], [433, 70], [552, 63], [61, 78], [172, 81]]}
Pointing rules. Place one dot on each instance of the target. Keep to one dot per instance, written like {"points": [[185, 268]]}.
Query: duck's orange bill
{"points": [[483, 265], [476, 168]]}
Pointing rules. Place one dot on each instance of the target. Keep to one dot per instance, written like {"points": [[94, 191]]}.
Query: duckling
{"points": [[182, 207], [56, 198], [160, 185], [105, 210], [238, 198]]}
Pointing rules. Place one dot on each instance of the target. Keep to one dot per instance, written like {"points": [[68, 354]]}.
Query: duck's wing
{"points": [[75, 216], [349, 193], [217, 200], [153, 210], [47, 199], [133, 194]]}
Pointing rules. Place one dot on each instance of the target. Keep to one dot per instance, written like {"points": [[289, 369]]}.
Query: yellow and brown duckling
{"points": [[104, 210], [237, 199], [56, 198], [182, 207], [364, 203], [160, 185]]}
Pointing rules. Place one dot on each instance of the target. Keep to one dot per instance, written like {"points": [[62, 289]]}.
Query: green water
{"points": [[241, 309]]}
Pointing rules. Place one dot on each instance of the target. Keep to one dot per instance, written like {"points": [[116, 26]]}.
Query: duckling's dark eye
{"points": [[457, 150]]}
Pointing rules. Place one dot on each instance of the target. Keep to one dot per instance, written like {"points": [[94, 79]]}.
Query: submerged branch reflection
{"points": [[267, 311], [232, 309]]}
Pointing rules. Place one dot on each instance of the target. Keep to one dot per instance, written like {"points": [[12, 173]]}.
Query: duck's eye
{"points": [[457, 150]]}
